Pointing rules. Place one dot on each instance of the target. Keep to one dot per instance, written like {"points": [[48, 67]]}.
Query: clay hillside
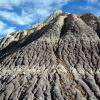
{"points": [[56, 59]]}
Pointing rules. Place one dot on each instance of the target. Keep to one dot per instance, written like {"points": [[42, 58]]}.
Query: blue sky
{"points": [[22, 14]]}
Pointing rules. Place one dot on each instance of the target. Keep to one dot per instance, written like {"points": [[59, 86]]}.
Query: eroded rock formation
{"points": [[57, 59]]}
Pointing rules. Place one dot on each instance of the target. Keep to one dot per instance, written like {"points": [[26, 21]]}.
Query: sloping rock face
{"points": [[57, 59]]}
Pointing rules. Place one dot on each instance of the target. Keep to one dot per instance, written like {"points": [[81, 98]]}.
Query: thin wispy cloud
{"points": [[86, 7], [92, 1], [15, 18], [2, 25], [5, 29]]}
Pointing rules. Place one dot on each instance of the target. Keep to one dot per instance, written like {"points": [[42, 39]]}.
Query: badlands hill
{"points": [[57, 59]]}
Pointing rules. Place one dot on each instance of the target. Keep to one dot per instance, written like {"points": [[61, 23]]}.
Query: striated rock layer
{"points": [[57, 59]]}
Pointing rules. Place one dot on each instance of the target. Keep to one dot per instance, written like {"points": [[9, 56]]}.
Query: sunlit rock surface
{"points": [[57, 59]]}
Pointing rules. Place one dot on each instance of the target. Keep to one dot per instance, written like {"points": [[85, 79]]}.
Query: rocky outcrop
{"points": [[57, 59]]}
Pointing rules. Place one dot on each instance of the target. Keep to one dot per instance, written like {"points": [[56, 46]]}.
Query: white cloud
{"points": [[15, 18], [85, 7], [4, 29], [9, 30], [2, 25], [10, 2], [92, 1]]}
